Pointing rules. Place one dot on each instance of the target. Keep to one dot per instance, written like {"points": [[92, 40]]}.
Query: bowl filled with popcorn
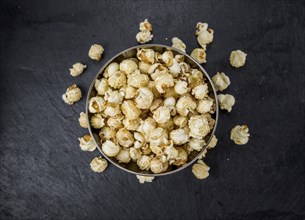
{"points": [[152, 110]]}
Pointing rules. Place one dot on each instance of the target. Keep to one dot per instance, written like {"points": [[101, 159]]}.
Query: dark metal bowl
{"points": [[132, 166]]}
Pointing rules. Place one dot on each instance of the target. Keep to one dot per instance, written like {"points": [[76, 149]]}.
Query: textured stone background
{"points": [[43, 173]]}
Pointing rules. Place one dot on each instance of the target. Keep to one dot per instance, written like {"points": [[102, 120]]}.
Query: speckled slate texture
{"points": [[44, 174]]}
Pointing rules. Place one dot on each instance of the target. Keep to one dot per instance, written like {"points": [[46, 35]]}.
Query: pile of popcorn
{"points": [[154, 109]]}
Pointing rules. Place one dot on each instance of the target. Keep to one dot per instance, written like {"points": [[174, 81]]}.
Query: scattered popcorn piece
{"points": [[221, 81], [86, 143], [226, 101], [237, 58], [98, 164], [95, 52], [213, 142], [72, 95], [144, 36], [199, 55], [204, 34], [203, 154], [82, 120], [240, 134], [145, 179], [200, 170], [77, 69], [178, 44], [145, 26]]}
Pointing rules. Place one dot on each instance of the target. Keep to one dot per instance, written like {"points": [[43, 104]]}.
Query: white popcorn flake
{"points": [[144, 36], [178, 44], [237, 58], [72, 95], [77, 69], [221, 81], [204, 34], [200, 170], [145, 179], [82, 120], [199, 55], [95, 52], [240, 134], [98, 164], [226, 101], [86, 143], [110, 149]]}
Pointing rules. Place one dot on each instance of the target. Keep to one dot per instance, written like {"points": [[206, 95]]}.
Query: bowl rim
{"points": [[149, 46]]}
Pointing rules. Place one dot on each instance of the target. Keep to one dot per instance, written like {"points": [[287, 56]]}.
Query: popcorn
{"points": [[96, 104], [146, 55], [98, 164], [213, 142], [117, 80], [101, 86], [226, 101], [124, 137], [111, 69], [240, 134], [204, 34], [145, 179], [201, 91], [185, 105], [199, 55], [82, 120], [115, 122], [123, 156], [181, 158], [221, 81], [206, 105], [162, 114], [86, 143], [128, 66], [178, 44], [77, 69], [180, 121], [200, 170], [199, 126], [164, 81], [107, 133], [196, 144], [144, 98], [157, 165], [138, 80], [181, 87], [144, 35], [130, 110], [179, 136], [134, 153], [168, 58], [97, 121], [144, 162], [95, 52], [237, 58], [110, 149], [72, 95]]}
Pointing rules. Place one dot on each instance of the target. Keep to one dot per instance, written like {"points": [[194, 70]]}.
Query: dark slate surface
{"points": [[43, 173]]}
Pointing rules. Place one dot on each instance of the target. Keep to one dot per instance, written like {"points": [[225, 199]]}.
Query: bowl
{"points": [[132, 166]]}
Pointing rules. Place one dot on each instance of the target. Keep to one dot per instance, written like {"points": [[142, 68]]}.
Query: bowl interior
{"points": [[132, 166]]}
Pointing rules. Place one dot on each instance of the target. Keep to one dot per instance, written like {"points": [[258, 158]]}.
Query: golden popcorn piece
{"points": [[204, 34], [96, 104], [144, 36], [145, 26], [200, 91], [98, 164], [97, 121], [199, 126], [124, 137], [77, 69], [178, 44], [117, 80], [240, 134], [134, 153], [221, 81], [82, 120], [144, 98], [158, 137], [181, 87], [144, 162], [72, 95], [112, 110], [115, 122], [146, 55], [110, 148], [145, 179], [181, 158], [185, 105], [164, 81], [95, 52], [137, 80], [168, 58], [123, 156], [200, 170], [199, 55], [131, 125], [130, 110], [226, 101], [107, 133], [157, 165], [237, 58], [101, 86], [86, 143], [196, 144], [111, 69], [206, 105], [162, 114], [128, 66], [180, 121], [179, 136]]}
